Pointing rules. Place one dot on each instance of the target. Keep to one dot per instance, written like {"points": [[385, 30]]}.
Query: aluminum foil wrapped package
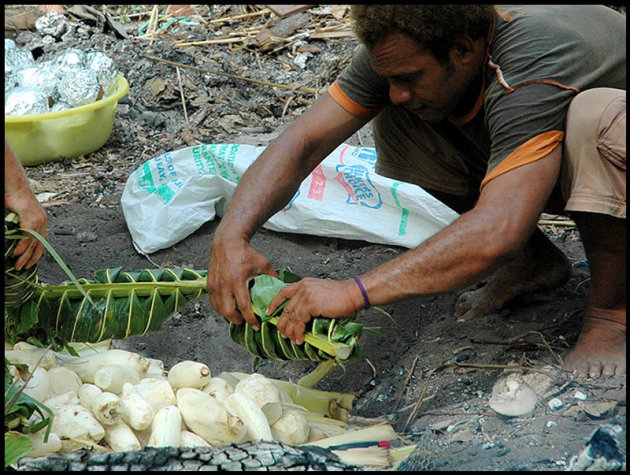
{"points": [[52, 23], [9, 82], [79, 87], [9, 44], [70, 60], [25, 100], [41, 78], [16, 59], [60, 106], [105, 70]]}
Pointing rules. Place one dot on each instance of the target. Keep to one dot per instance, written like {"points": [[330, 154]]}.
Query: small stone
{"points": [[580, 395], [555, 404]]}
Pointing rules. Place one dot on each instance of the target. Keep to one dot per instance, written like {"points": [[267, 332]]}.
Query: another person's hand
{"points": [[233, 264], [32, 216], [19, 198], [312, 297]]}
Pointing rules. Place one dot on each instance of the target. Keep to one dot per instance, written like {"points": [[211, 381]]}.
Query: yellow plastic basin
{"points": [[38, 138]]}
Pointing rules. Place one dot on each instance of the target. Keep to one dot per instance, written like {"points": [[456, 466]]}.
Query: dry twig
{"points": [[444, 367], [308, 90], [181, 92], [404, 385]]}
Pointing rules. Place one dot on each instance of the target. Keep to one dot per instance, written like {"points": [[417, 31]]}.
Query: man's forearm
{"points": [[273, 179], [266, 187], [474, 245], [14, 176]]}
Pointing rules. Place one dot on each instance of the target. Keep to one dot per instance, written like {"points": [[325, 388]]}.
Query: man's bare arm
{"points": [[267, 186], [470, 249], [19, 198]]}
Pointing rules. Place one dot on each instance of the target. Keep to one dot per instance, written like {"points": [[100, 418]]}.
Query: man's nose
{"points": [[398, 95]]}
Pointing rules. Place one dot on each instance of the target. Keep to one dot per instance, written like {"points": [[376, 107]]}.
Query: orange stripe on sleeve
{"points": [[349, 105], [532, 150]]}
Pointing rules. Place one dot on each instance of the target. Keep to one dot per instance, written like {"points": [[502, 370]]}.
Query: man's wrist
{"points": [[366, 300]]}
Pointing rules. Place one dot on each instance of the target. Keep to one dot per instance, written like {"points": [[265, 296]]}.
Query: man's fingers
{"points": [[226, 306], [27, 255], [244, 305], [283, 295], [35, 256]]}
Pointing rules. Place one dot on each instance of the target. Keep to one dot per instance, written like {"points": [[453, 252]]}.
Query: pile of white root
{"points": [[110, 399]]}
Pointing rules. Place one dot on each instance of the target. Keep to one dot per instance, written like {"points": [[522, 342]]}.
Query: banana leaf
{"points": [[325, 338], [117, 304]]}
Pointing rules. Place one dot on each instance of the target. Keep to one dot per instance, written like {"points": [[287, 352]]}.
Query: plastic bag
{"points": [[169, 197]]}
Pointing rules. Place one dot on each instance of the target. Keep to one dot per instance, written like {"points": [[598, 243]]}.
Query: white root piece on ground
{"points": [[251, 414], [512, 398], [38, 386], [206, 417], [63, 380], [136, 411], [77, 427], [189, 374], [158, 393], [87, 366], [218, 388], [166, 428], [292, 428], [264, 393], [104, 405], [121, 438], [112, 377]]}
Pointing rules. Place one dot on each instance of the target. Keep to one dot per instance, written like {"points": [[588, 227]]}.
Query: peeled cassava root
{"points": [[118, 400]]}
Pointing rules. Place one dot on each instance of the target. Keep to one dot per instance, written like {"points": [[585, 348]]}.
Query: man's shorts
{"points": [[593, 172]]}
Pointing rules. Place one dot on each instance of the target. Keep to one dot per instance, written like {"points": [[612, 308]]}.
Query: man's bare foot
{"points": [[601, 347], [540, 269]]}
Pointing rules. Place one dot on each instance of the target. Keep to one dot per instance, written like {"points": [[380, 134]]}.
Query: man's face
{"points": [[418, 82]]}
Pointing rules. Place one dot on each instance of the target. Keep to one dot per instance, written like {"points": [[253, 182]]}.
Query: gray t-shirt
{"points": [[539, 58]]}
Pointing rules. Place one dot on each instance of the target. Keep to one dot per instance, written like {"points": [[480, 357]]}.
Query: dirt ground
{"points": [[420, 351]]}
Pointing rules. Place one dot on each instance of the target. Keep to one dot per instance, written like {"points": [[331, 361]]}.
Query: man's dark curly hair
{"points": [[434, 27]]}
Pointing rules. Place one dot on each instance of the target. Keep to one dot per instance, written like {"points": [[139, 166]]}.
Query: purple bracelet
{"points": [[365, 297]]}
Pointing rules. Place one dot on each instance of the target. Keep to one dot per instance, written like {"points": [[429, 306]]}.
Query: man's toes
{"points": [[579, 368], [463, 305], [609, 369], [595, 369], [471, 314]]}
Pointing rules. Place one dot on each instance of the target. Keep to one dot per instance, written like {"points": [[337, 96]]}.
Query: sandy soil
{"points": [[421, 350]]}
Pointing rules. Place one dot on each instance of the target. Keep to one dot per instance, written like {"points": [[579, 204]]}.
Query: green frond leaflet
{"points": [[325, 338], [117, 304]]}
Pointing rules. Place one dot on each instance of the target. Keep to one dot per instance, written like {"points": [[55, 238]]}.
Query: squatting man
{"points": [[501, 114]]}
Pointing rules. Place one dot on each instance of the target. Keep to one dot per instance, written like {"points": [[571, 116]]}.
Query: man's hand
{"points": [[233, 263], [312, 297], [32, 216], [19, 198]]}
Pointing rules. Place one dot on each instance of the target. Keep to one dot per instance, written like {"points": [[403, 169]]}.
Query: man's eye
{"points": [[408, 78]]}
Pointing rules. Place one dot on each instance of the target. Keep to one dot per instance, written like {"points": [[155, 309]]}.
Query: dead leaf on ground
{"points": [[597, 409]]}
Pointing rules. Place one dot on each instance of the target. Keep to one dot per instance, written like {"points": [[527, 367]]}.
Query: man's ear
{"points": [[463, 50]]}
